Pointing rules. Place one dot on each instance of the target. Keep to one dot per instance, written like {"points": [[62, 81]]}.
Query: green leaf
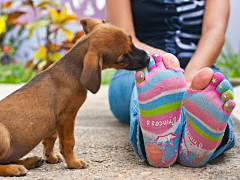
{"points": [[234, 74], [38, 24], [238, 57], [229, 61], [43, 3]]}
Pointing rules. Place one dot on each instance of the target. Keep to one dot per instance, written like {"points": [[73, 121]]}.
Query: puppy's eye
{"points": [[124, 60], [130, 37], [125, 57], [104, 21]]}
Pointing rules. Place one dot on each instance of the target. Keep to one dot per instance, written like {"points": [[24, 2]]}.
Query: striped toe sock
{"points": [[160, 93], [207, 113]]}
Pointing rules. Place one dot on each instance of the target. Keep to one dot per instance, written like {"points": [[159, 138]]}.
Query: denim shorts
{"points": [[124, 105]]}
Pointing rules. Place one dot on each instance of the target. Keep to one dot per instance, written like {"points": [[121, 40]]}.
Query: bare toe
{"points": [[202, 79], [154, 153], [170, 60]]}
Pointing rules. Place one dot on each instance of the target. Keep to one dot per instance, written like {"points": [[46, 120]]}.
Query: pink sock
{"points": [[207, 113], [160, 94]]}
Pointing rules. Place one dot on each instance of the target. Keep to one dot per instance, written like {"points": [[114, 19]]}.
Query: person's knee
{"points": [[120, 91]]}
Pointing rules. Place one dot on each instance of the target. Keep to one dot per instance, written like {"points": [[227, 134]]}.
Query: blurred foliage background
{"points": [[57, 21], [229, 62]]}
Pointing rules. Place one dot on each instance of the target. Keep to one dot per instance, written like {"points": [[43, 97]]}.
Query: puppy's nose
{"points": [[149, 57], [145, 60]]}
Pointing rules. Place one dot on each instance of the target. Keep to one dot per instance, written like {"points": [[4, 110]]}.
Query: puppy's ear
{"points": [[91, 74], [88, 24]]}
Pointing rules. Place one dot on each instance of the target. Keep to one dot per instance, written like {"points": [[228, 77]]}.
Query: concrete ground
{"points": [[102, 141]]}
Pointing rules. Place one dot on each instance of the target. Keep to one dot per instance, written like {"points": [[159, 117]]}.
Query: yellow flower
{"points": [[41, 54], [62, 18], [2, 24]]}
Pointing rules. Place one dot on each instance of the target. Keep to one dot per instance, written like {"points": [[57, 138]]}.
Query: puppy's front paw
{"points": [[31, 162], [53, 159], [13, 170], [77, 164]]}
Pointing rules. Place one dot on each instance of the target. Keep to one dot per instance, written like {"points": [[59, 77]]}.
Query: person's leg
{"points": [[207, 104], [135, 134], [119, 95], [160, 92]]}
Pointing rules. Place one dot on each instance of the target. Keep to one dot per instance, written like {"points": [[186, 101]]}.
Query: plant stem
{"points": [[48, 46]]}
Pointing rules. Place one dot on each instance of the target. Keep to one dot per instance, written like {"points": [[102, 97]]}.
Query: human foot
{"points": [[160, 92], [208, 104]]}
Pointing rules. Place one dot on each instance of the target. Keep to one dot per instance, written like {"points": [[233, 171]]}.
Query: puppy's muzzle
{"points": [[138, 59]]}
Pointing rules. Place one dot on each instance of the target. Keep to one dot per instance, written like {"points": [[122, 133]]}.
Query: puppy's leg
{"points": [[48, 153], [8, 170], [30, 162], [67, 142], [4, 140], [19, 168]]}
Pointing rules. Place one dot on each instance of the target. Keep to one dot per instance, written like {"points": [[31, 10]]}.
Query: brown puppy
{"points": [[48, 104]]}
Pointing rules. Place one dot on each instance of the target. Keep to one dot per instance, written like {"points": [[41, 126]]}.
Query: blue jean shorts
{"points": [[124, 105]]}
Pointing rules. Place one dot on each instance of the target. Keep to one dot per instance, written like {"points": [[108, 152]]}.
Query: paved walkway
{"points": [[236, 111], [103, 143]]}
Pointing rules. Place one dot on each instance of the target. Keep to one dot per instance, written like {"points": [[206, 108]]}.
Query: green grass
{"points": [[107, 75], [229, 61], [15, 73]]}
